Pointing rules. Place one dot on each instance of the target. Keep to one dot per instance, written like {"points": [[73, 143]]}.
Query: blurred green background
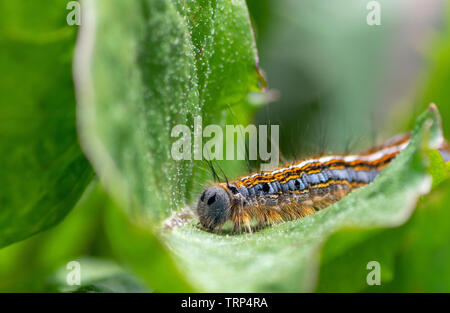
{"points": [[334, 84]]}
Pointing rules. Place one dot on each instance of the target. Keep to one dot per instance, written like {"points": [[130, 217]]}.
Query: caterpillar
{"points": [[293, 191]]}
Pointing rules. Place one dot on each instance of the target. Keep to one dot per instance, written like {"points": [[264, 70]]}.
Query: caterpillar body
{"points": [[293, 191]]}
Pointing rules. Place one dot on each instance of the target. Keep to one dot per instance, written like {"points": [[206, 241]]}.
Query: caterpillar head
{"points": [[213, 207]]}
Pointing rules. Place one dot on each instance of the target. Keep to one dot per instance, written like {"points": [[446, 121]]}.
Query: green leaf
{"points": [[26, 265], [43, 169], [144, 67], [286, 257], [427, 242], [96, 226], [137, 246], [412, 257], [439, 170]]}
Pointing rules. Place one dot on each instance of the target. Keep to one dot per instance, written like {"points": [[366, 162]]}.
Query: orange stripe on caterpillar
{"points": [[292, 191]]}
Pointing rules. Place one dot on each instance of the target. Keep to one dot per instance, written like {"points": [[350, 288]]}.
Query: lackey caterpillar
{"points": [[293, 191]]}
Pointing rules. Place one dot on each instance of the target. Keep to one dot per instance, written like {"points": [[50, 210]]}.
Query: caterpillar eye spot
{"points": [[233, 189], [212, 199]]}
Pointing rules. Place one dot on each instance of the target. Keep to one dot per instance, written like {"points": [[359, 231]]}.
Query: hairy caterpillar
{"points": [[293, 191]]}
